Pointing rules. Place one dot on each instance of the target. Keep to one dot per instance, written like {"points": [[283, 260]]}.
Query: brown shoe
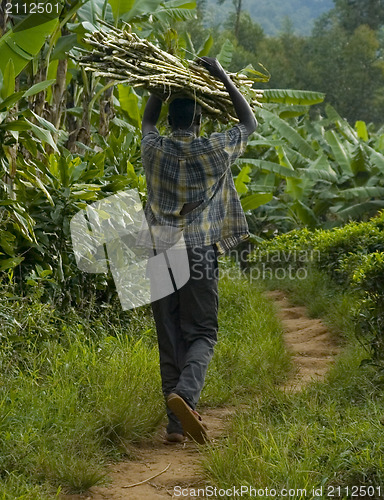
{"points": [[174, 438], [190, 419]]}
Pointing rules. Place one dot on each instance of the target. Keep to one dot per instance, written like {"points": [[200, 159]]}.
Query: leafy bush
{"points": [[295, 248], [328, 435], [353, 239], [369, 278], [352, 256], [34, 232]]}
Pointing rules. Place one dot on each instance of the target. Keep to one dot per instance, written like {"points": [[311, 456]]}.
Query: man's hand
{"points": [[213, 66]]}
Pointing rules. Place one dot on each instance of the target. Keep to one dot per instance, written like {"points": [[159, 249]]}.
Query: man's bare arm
{"points": [[243, 109], [151, 114]]}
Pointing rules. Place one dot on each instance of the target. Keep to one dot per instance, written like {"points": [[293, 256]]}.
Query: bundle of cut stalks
{"points": [[121, 55]]}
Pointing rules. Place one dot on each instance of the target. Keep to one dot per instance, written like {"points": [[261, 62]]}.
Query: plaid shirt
{"points": [[183, 169]]}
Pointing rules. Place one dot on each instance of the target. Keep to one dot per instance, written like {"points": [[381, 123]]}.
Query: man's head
{"points": [[184, 114]]}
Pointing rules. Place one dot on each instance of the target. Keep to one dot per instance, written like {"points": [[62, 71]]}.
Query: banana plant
{"points": [[22, 140], [22, 43], [321, 172], [133, 11], [40, 192]]}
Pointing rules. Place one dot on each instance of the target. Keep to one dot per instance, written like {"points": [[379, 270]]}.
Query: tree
{"points": [[238, 9], [353, 13], [347, 67], [250, 34]]}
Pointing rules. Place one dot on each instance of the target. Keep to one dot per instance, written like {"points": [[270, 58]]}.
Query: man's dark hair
{"points": [[184, 112]]}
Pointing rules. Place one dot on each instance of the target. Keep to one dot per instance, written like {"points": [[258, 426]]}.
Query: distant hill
{"points": [[270, 14]]}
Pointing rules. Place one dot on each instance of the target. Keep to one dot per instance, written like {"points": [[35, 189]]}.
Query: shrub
{"points": [[354, 238], [352, 255], [293, 248], [368, 277]]}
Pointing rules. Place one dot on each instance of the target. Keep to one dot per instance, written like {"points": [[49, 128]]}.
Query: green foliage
{"points": [[78, 387], [296, 248], [250, 354], [360, 48], [41, 191], [352, 256], [329, 434], [368, 277], [303, 172], [321, 172], [22, 45], [225, 55], [308, 440], [66, 144], [337, 251], [340, 57], [51, 192], [295, 97], [65, 405], [353, 14], [17, 487], [271, 16], [60, 418], [354, 238]]}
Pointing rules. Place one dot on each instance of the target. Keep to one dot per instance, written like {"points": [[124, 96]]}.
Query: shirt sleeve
{"points": [[149, 144], [233, 141], [149, 137]]}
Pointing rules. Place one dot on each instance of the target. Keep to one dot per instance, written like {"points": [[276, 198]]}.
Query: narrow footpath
{"points": [[157, 468], [308, 339]]}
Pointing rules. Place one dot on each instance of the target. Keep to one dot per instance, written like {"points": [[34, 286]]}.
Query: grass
{"points": [[76, 390], [329, 435], [249, 355], [76, 406], [327, 439], [17, 487], [80, 389]]}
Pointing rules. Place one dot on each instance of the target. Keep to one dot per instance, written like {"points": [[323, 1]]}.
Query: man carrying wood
{"points": [[191, 190]]}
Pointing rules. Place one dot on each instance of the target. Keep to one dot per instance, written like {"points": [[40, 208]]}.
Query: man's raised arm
{"points": [[151, 114], [243, 109]]}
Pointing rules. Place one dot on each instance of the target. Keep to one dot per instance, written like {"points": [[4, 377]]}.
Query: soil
{"points": [[313, 349], [312, 346]]}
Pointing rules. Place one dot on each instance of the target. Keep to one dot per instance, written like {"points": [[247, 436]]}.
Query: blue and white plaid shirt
{"points": [[184, 169]]}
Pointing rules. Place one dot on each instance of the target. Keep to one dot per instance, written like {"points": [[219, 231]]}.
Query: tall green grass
{"points": [[249, 355], [73, 407], [330, 435], [76, 389]]}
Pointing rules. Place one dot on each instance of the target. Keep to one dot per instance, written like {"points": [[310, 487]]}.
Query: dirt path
{"points": [[153, 458], [313, 350], [311, 344]]}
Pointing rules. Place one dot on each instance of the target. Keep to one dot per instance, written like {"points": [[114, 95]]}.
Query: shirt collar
{"points": [[183, 133]]}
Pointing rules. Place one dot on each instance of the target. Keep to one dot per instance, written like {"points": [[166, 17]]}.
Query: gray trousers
{"points": [[186, 324]]}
